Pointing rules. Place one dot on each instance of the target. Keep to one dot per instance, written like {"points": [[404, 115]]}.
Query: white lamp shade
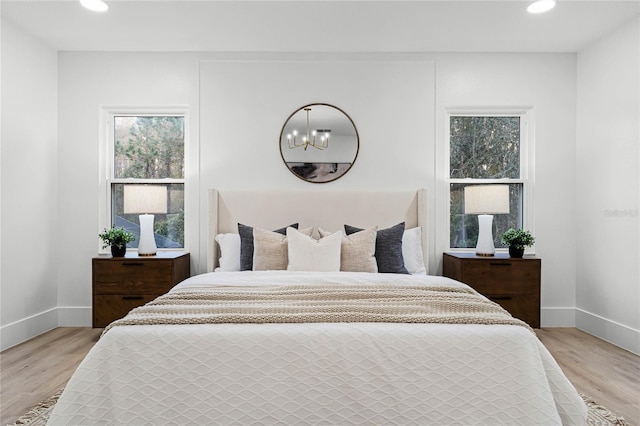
{"points": [[145, 199], [486, 199]]}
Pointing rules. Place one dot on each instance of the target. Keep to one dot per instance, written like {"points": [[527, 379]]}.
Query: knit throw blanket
{"points": [[320, 303]]}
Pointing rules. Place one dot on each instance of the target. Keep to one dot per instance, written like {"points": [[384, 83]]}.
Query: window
{"points": [[147, 150], [487, 149]]}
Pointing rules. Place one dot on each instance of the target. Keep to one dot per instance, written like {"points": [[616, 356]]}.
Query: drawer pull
{"points": [[500, 297], [500, 264], [132, 297], [132, 264]]}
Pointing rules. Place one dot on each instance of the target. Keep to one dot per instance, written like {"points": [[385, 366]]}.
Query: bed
{"points": [[297, 347]]}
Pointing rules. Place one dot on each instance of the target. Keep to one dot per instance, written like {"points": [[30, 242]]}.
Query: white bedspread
{"points": [[321, 373]]}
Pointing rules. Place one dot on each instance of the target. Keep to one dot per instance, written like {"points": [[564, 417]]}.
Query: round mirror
{"points": [[319, 143]]}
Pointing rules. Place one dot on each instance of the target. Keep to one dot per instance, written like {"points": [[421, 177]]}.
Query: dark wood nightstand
{"points": [[123, 283], [512, 282]]}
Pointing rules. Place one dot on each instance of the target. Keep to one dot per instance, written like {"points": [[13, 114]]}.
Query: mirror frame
{"points": [[302, 109]]}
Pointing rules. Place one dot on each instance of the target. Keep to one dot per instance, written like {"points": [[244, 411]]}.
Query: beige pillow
{"points": [[309, 254], [357, 252], [270, 249]]}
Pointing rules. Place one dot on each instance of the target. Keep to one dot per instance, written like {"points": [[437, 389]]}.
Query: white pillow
{"points": [[229, 252], [357, 251], [270, 249], [309, 254], [412, 251]]}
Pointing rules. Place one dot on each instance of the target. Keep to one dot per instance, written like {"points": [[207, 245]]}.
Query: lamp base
{"points": [[147, 244], [485, 246]]}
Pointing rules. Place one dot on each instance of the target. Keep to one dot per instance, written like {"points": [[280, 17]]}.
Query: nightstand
{"points": [[123, 283], [514, 283]]}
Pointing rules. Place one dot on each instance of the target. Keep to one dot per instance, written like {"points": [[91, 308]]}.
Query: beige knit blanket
{"points": [[320, 303]]}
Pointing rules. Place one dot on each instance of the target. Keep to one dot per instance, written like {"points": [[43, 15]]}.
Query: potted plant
{"points": [[117, 238], [517, 240]]}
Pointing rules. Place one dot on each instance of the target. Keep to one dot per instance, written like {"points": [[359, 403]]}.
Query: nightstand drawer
{"points": [[131, 276], [108, 308], [524, 307], [502, 276]]}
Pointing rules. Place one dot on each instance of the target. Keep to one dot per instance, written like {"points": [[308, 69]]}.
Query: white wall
{"points": [[387, 100], [608, 186], [30, 241], [545, 83], [88, 82]]}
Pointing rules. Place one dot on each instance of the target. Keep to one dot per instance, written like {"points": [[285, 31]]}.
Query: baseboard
{"points": [[74, 316], [27, 328], [30, 327], [608, 330], [557, 317]]}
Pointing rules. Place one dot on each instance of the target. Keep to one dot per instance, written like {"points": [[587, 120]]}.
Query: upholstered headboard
{"points": [[329, 210]]}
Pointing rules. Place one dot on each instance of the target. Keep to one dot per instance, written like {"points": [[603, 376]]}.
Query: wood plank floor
{"points": [[608, 374], [34, 370]]}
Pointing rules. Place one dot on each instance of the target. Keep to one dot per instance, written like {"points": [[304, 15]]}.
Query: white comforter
{"points": [[321, 373]]}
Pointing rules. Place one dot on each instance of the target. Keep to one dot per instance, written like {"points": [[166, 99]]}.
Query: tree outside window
{"points": [[149, 150], [484, 149]]}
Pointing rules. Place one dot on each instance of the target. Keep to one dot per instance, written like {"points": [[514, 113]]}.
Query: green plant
{"points": [[116, 236], [518, 238]]}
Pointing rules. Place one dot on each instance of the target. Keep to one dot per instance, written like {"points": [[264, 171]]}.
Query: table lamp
{"points": [[485, 201], [145, 200]]}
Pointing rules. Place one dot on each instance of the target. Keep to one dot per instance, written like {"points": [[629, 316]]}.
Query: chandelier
{"points": [[309, 139]]}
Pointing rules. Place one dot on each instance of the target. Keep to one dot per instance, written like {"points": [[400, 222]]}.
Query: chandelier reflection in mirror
{"points": [[312, 125], [309, 139]]}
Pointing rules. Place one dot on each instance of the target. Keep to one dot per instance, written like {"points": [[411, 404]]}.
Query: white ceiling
{"points": [[320, 26]]}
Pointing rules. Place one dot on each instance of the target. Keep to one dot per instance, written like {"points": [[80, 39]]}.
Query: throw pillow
{"points": [[229, 252], [246, 244], [309, 254], [412, 251], [388, 248], [270, 249], [357, 251]]}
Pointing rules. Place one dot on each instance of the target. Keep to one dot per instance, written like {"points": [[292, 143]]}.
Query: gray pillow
{"points": [[246, 244], [388, 248]]}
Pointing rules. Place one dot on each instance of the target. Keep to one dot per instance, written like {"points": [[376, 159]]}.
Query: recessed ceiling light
{"points": [[541, 6], [95, 5]]}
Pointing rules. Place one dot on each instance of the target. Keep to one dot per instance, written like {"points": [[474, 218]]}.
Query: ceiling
{"points": [[319, 26]]}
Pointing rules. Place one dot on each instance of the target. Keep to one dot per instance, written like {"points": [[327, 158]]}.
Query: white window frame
{"points": [[527, 166], [107, 150]]}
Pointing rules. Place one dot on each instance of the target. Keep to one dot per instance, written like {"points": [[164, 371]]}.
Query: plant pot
{"points": [[516, 252], [118, 251]]}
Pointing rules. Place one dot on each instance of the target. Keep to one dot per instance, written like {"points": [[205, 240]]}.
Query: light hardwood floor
{"points": [[34, 370], [608, 374]]}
